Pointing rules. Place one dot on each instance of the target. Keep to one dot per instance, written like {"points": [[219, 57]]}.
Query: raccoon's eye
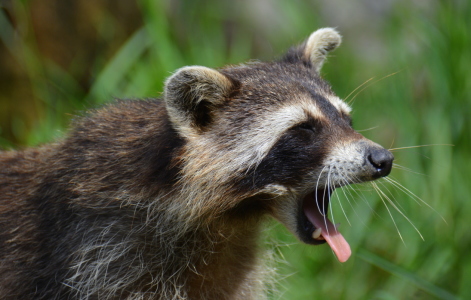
{"points": [[306, 126]]}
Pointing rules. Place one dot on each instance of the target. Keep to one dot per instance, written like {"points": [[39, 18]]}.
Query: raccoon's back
{"points": [[17, 170], [18, 220]]}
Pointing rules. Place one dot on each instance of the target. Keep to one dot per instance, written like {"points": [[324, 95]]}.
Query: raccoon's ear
{"points": [[316, 47], [191, 94]]}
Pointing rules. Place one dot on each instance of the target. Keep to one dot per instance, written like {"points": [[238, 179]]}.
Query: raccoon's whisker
{"points": [[317, 186], [398, 210], [392, 143], [406, 191], [419, 146], [348, 96], [369, 205], [357, 192], [399, 167], [391, 195], [360, 194], [349, 188], [330, 202], [371, 83], [371, 128], [409, 193], [341, 206], [378, 190]]}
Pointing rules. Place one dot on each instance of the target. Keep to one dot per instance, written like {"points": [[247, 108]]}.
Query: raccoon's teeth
{"points": [[317, 234]]}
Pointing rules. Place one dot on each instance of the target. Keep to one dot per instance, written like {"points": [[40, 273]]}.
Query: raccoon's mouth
{"points": [[316, 228]]}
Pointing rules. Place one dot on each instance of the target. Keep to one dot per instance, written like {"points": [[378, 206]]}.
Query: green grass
{"points": [[420, 95]]}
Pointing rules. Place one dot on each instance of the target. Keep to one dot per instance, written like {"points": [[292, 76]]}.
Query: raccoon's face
{"points": [[273, 137]]}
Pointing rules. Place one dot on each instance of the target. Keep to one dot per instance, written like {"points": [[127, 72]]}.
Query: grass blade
{"points": [[109, 78], [405, 274]]}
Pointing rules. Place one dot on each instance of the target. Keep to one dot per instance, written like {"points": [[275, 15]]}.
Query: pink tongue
{"points": [[335, 240]]}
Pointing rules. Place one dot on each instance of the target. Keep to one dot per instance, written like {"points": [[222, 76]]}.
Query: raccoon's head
{"points": [[273, 138]]}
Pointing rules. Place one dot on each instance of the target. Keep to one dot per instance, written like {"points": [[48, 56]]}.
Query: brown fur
{"points": [[157, 199]]}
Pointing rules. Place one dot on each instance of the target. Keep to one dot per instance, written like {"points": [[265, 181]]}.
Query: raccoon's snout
{"points": [[381, 160]]}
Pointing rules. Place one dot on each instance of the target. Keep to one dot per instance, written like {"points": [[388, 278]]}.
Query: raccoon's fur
{"points": [[164, 198]]}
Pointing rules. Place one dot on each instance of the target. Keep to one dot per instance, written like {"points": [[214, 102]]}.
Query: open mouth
{"points": [[315, 226]]}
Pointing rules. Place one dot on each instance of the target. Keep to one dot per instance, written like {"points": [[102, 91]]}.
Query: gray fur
{"points": [[165, 198]]}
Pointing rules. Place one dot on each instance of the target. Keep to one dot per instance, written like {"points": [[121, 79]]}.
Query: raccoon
{"points": [[165, 198]]}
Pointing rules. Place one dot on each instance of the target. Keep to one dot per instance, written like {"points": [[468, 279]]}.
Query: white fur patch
{"points": [[209, 163], [256, 142], [340, 105], [319, 44]]}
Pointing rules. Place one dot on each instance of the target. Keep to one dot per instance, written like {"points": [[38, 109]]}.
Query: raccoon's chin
{"points": [[315, 228]]}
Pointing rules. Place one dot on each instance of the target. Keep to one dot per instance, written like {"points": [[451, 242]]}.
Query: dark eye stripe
{"points": [[306, 126]]}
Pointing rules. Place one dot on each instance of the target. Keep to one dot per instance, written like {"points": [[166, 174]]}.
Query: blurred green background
{"points": [[59, 58]]}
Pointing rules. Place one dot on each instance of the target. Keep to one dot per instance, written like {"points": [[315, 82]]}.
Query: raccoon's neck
{"points": [[226, 265]]}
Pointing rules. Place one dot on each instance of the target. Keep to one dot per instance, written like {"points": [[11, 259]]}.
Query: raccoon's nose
{"points": [[381, 160]]}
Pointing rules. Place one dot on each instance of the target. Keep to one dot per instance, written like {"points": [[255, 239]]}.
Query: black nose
{"points": [[381, 160]]}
